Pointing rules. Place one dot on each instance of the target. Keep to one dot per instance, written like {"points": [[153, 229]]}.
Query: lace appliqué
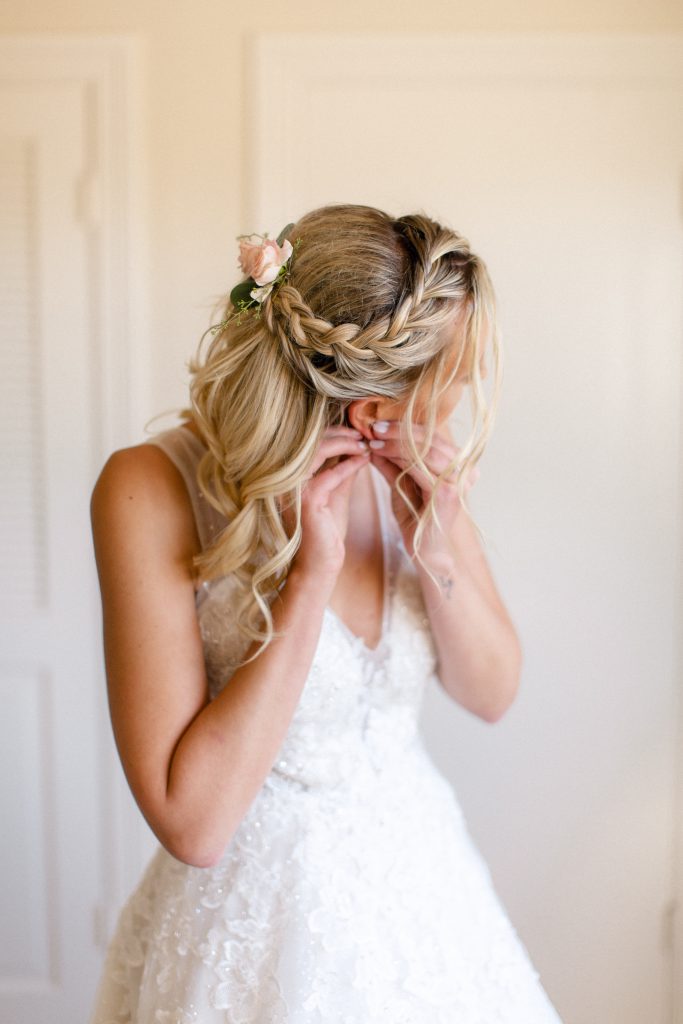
{"points": [[351, 893]]}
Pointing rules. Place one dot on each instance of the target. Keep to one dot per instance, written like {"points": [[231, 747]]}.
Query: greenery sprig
{"points": [[248, 296]]}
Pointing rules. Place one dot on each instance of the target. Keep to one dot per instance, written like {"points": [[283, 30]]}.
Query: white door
{"points": [[50, 664], [561, 160]]}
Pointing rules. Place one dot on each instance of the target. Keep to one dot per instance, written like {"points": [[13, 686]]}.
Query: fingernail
{"points": [[376, 444], [380, 426], [363, 445]]}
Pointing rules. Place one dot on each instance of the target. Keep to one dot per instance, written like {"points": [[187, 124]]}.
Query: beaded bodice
{"points": [[350, 892], [357, 700]]}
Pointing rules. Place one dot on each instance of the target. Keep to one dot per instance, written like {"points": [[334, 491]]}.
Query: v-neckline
{"points": [[355, 637], [373, 652]]}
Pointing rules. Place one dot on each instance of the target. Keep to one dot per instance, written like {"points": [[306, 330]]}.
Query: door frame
{"points": [[110, 200]]}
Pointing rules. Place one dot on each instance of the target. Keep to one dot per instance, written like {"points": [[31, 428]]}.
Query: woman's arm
{"points": [[195, 766], [479, 654]]}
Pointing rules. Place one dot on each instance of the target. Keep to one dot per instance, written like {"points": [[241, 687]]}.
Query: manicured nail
{"points": [[376, 444], [380, 426], [363, 445]]}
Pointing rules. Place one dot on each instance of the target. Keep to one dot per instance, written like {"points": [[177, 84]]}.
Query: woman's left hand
{"points": [[389, 455]]}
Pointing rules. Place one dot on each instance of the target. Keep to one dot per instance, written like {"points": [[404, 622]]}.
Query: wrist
{"points": [[305, 579], [439, 563], [437, 577]]}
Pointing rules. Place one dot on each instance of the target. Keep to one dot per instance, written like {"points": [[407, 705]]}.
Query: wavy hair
{"points": [[367, 309]]}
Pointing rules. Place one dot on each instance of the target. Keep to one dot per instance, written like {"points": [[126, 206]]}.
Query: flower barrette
{"points": [[266, 263]]}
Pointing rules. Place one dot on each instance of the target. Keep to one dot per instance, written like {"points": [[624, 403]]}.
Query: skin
{"points": [[195, 765], [478, 650]]}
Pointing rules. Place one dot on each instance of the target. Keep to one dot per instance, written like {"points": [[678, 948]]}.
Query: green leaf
{"points": [[240, 296], [283, 234]]}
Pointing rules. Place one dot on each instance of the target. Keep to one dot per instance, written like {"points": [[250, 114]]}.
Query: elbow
{"points": [[489, 688], [193, 850], [495, 712], [194, 856], [490, 699], [503, 694], [199, 859], [195, 836], [501, 699]]}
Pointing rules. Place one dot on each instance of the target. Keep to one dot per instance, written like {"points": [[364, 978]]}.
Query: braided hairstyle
{"points": [[367, 309]]}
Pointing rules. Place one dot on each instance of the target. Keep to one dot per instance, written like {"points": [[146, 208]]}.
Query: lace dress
{"points": [[351, 892]]}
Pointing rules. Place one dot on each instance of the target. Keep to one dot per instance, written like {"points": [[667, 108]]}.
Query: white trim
{"points": [[108, 70], [676, 932]]}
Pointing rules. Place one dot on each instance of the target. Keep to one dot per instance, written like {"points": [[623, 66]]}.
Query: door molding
{"points": [[108, 69], [110, 201]]}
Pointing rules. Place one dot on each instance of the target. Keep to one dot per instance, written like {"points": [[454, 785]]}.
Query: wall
{"points": [[195, 186], [194, 119]]}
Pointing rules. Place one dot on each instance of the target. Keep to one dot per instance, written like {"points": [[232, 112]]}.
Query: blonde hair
{"points": [[364, 311]]}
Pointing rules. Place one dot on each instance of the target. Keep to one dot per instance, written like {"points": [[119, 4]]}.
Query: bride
{"points": [[282, 574]]}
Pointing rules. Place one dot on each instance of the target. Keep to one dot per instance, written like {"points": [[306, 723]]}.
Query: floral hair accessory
{"points": [[266, 265]]}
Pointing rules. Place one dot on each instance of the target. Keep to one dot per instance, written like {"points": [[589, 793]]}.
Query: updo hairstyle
{"points": [[367, 309]]}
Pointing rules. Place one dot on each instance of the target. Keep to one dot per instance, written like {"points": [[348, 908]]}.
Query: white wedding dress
{"points": [[351, 892]]}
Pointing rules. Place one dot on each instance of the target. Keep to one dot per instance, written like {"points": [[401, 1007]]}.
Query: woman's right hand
{"points": [[325, 502]]}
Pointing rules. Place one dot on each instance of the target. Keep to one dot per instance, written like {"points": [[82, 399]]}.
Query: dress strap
{"points": [[185, 451], [391, 534]]}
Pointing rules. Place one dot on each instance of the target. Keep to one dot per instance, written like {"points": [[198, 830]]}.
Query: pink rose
{"points": [[262, 262]]}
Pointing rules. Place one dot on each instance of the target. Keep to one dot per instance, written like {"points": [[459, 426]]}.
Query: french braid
{"points": [[362, 312], [331, 357]]}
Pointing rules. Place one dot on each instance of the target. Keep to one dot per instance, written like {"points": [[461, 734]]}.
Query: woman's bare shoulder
{"points": [[140, 490], [142, 467]]}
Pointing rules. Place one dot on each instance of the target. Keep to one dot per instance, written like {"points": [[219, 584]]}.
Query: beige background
{"points": [[194, 193], [195, 81]]}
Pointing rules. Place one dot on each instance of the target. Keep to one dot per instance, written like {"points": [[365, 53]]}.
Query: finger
{"points": [[392, 429], [436, 460], [333, 448], [387, 468], [322, 484], [439, 454], [473, 476], [390, 470], [391, 473], [421, 479]]}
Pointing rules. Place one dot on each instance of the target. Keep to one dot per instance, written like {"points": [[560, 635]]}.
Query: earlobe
{"points": [[361, 414]]}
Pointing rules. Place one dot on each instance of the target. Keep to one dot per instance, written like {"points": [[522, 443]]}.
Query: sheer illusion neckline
{"points": [[386, 589], [355, 638]]}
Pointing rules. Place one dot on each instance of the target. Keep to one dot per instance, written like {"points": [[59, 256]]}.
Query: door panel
{"points": [[49, 871], [561, 160]]}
